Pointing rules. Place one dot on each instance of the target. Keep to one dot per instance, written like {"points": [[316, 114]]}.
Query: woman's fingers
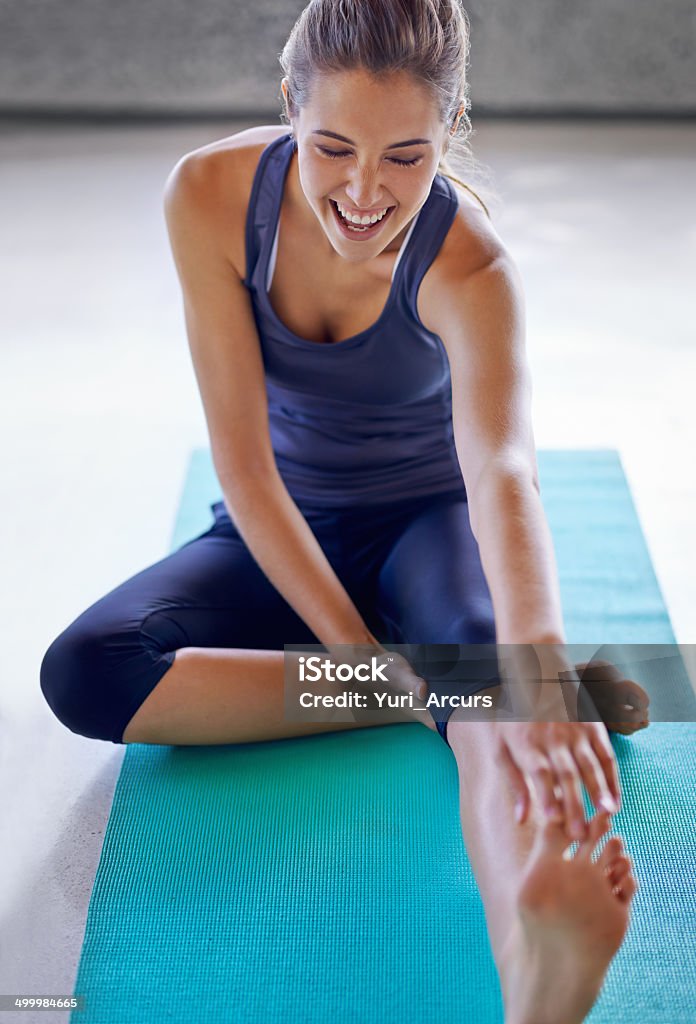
{"points": [[543, 779], [593, 776], [401, 674], [552, 762], [564, 760], [568, 777], [411, 679], [604, 752]]}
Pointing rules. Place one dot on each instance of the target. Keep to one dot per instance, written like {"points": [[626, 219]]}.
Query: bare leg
{"points": [[214, 695], [554, 924]]}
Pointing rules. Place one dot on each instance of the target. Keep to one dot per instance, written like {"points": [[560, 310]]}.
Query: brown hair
{"points": [[427, 38]]}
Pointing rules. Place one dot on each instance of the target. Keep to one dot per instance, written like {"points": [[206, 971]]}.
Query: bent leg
{"points": [[209, 593], [190, 650]]}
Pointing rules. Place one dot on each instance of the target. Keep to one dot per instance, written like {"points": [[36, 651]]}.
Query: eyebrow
{"points": [[394, 145]]}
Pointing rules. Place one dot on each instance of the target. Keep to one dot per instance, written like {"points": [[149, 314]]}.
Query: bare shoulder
{"points": [[212, 185], [471, 255]]}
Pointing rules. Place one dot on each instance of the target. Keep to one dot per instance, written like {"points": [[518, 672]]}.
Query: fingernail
{"points": [[609, 804], [519, 811]]}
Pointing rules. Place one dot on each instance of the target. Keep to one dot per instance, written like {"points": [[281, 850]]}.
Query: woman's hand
{"points": [[551, 760], [396, 676], [402, 677]]}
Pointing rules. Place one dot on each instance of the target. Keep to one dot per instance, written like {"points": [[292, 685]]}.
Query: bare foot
{"points": [[573, 915], [622, 703]]}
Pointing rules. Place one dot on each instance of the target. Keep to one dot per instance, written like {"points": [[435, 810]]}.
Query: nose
{"points": [[363, 190]]}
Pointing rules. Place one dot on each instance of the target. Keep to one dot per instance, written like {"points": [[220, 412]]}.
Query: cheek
{"points": [[317, 179]]}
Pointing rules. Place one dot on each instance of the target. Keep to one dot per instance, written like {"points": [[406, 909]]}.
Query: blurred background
{"points": [[531, 57], [584, 116]]}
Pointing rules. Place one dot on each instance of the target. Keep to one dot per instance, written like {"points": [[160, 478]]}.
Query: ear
{"points": [[285, 90]]}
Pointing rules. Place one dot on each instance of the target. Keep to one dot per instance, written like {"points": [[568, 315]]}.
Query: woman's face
{"points": [[366, 171]]}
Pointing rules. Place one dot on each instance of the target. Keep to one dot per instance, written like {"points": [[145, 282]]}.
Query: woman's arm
{"points": [[480, 318], [203, 207], [481, 323]]}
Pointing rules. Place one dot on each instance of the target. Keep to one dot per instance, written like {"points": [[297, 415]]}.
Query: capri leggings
{"points": [[411, 567]]}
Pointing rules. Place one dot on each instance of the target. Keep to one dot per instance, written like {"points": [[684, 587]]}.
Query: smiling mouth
{"points": [[359, 229]]}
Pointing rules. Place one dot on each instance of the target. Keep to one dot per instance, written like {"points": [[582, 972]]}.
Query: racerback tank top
{"points": [[367, 419]]}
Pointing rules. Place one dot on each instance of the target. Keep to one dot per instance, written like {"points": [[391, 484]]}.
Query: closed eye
{"points": [[333, 154]]}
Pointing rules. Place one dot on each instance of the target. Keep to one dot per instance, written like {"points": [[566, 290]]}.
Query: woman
{"points": [[356, 331]]}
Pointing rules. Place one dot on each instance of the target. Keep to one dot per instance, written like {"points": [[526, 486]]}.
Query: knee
{"points": [[70, 670], [468, 625], [474, 625], [479, 631]]}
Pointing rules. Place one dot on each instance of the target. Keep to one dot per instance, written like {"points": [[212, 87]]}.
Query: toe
{"points": [[626, 728], [618, 870], [612, 850], [624, 717], [597, 826], [627, 889], [633, 694]]}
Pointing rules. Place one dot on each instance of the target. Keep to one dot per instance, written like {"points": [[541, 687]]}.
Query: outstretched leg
{"points": [[554, 923]]}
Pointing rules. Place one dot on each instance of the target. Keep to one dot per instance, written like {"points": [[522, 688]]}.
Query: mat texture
{"points": [[325, 879]]}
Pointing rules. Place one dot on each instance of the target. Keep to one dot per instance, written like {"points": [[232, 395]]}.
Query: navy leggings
{"points": [[411, 567]]}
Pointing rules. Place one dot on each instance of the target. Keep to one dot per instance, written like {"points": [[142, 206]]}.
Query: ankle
{"points": [[513, 972]]}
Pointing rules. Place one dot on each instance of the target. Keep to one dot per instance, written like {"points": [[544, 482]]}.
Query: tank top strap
{"points": [[265, 196], [435, 219]]}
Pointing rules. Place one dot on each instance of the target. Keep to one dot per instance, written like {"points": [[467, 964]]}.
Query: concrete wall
{"points": [[210, 56], [598, 56]]}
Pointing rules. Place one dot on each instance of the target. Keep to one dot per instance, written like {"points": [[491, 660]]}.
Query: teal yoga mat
{"points": [[325, 879]]}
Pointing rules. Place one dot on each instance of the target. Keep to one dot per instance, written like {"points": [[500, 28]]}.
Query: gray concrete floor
{"points": [[99, 411]]}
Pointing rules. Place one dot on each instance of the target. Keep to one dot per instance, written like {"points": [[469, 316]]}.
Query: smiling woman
{"points": [[369, 192], [356, 328], [431, 43]]}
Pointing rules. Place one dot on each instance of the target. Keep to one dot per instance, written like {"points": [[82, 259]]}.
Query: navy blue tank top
{"points": [[367, 419]]}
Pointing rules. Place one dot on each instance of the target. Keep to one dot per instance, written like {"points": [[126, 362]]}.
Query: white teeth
{"points": [[355, 219]]}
